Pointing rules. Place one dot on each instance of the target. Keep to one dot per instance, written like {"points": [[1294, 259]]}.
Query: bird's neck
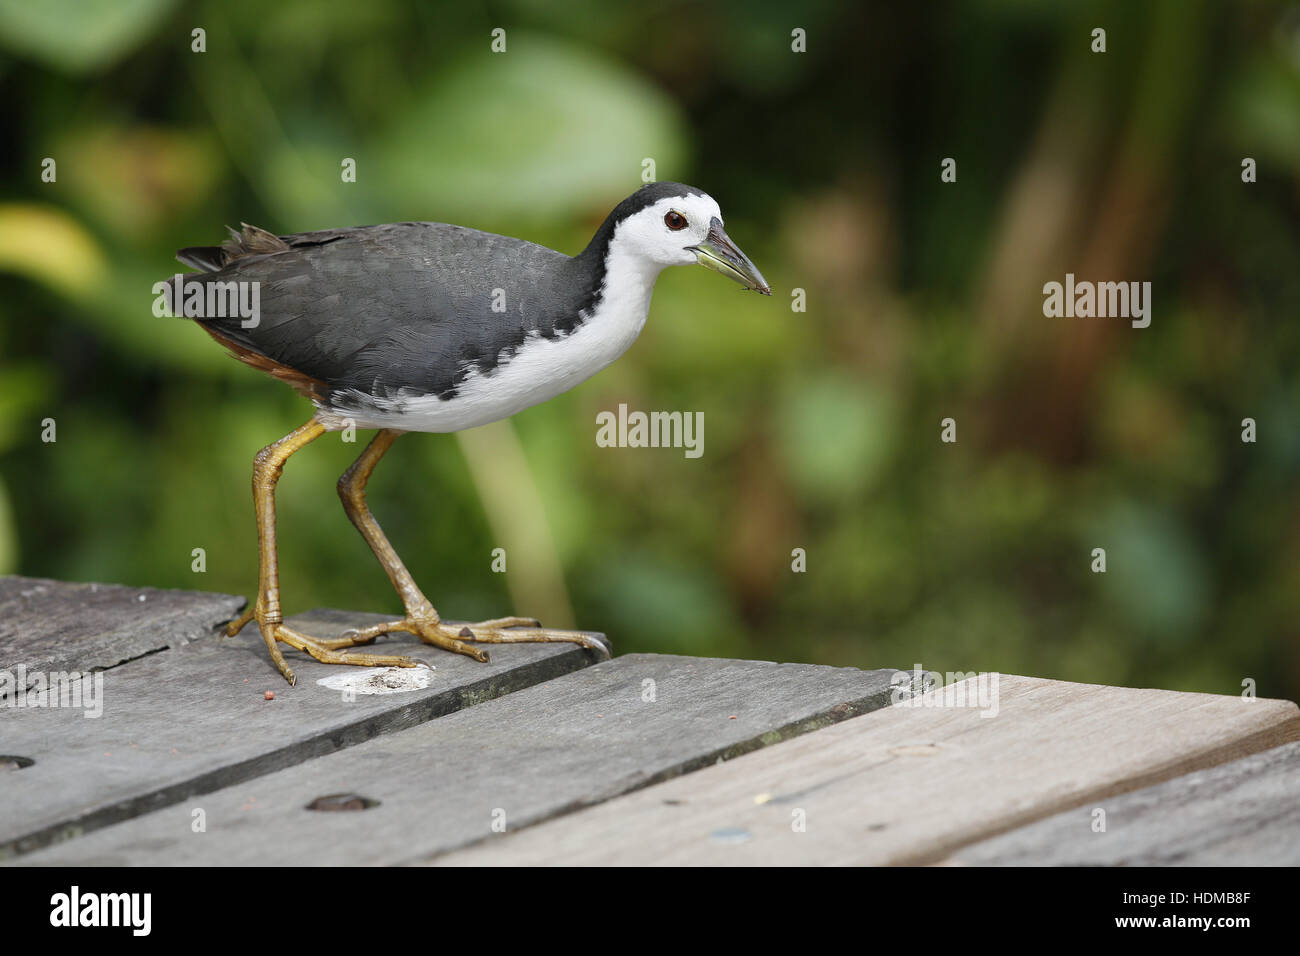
{"points": [[623, 284]]}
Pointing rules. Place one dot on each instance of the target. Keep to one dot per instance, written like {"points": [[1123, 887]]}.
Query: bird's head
{"points": [[671, 224]]}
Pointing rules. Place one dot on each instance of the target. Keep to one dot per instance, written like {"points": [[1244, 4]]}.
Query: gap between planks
{"points": [[909, 785]]}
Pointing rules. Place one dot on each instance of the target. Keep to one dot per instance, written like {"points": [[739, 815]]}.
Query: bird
{"points": [[431, 327]]}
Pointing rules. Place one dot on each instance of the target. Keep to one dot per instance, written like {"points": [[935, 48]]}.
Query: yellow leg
{"points": [[267, 468], [421, 618]]}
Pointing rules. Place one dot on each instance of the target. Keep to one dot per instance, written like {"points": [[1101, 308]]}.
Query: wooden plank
{"points": [[558, 746], [907, 784], [55, 626], [194, 719], [1243, 813]]}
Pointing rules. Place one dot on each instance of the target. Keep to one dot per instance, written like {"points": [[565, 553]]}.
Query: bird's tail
{"points": [[249, 241]]}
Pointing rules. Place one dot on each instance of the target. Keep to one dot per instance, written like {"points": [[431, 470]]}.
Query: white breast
{"points": [[539, 370]]}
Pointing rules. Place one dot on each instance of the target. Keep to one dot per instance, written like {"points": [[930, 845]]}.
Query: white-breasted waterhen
{"points": [[422, 326]]}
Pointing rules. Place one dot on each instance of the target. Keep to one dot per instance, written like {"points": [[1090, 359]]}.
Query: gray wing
{"points": [[413, 305]]}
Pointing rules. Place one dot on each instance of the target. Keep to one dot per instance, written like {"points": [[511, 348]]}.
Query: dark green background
{"points": [[821, 428]]}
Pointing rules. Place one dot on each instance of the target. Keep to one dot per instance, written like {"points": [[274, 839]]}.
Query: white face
{"points": [[650, 233]]}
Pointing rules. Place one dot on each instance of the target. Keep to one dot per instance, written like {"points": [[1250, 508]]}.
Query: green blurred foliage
{"points": [[822, 427]]}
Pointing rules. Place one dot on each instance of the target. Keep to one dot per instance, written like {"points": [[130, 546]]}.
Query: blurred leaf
{"points": [[835, 435], [544, 129], [121, 312], [135, 179], [48, 245], [78, 36]]}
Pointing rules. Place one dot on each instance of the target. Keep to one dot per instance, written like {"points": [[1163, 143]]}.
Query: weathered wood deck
{"points": [[546, 756]]}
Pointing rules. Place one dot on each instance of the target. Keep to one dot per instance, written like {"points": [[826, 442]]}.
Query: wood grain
{"points": [[194, 719], [910, 784], [574, 741], [55, 626], [1243, 813]]}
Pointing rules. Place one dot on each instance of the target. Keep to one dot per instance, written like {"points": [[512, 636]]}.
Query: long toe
{"points": [[486, 633], [498, 622], [235, 625], [325, 652], [446, 636]]}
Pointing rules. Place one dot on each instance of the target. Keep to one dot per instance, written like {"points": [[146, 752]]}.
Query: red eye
{"points": [[675, 221]]}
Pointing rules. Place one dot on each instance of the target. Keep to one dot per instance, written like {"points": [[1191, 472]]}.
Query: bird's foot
{"points": [[235, 625], [459, 638], [426, 625], [324, 649]]}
